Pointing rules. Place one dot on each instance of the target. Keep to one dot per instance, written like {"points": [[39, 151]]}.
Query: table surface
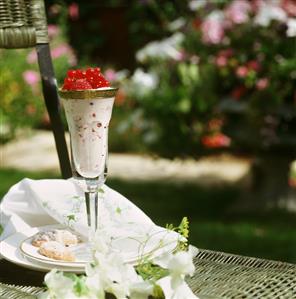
{"points": [[218, 275]]}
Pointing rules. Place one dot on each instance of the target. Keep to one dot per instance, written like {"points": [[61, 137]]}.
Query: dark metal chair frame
{"points": [[23, 25]]}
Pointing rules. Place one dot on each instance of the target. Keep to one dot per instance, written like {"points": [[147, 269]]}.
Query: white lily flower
{"points": [[181, 292], [59, 285], [180, 265], [291, 31], [94, 284], [166, 259], [141, 290], [115, 276]]}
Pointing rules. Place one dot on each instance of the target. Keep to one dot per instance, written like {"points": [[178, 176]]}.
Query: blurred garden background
{"points": [[204, 84]]}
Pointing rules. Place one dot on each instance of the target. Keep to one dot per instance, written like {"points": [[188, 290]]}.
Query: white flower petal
{"points": [[181, 264], [268, 12], [291, 31], [177, 24], [58, 284], [181, 292], [164, 49], [196, 4], [144, 82], [141, 290]]}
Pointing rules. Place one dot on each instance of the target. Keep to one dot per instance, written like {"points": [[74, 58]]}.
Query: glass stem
{"points": [[92, 206]]}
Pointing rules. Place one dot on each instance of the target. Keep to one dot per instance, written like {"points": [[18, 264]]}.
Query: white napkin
{"points": [[32, 203]]}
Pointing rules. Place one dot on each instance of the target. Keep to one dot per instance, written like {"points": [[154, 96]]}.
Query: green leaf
{"points": [[101, 190], [71, 217], [157, 292], [149, 271], [80, 288], [118, 210], [184, 105]]}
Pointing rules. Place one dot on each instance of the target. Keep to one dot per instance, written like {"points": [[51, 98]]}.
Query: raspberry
{"points": [[97, 83], [91, 78], [80, 84], [71, 74], [90, 72], [79, 74], [68, 83], [97, 70]]}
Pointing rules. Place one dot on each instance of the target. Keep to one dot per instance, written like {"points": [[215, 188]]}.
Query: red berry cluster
{"points": [[91, 78], [216, 141]]}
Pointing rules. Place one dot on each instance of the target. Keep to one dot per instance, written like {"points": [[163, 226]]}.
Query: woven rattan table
{"points": [[218, 275]]}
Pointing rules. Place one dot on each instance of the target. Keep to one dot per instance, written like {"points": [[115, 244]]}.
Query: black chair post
{"points": [[51, 98]]}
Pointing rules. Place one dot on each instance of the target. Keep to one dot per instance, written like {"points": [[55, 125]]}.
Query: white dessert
{"points": [[88, 121]]}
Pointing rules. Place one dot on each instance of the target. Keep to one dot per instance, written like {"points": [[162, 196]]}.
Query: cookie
{"points": [[62, 236], [43, 237], [56, 251], [65, 237]]}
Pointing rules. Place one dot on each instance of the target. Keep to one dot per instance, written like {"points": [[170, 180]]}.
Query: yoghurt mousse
{"points": [[88, 101]]}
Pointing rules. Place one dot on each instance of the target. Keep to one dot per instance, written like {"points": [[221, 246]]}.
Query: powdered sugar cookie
{"points": [[57, 251]]}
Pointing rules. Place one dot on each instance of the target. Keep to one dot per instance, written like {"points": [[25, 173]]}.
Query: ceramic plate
{"points": [[9, 250], [18, 249]]}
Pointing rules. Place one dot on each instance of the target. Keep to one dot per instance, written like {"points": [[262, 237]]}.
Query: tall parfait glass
{"points": [[88, 113]]}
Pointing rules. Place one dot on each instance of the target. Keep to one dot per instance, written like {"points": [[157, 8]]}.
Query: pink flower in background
{"points": [[53, 30], [254, 65], [180, 56], [262, 83], [242, 71], [221, 61], [31, 77], [72, 60], [32, 56], [73, 11], [110, 75], [60, 50], [54, 9], [289, 7], [238, 11], [222, 58], [212, 28], [64, 49], [226, 52]]}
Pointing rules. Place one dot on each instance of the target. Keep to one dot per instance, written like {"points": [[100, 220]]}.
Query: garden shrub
{"points": [[224, 76], [22, 103]]}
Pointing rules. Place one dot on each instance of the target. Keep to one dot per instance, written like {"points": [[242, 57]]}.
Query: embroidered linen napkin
{"points": [[32, 203]]}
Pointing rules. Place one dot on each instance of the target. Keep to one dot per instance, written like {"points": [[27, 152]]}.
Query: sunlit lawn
{"points": [[269, 236]]}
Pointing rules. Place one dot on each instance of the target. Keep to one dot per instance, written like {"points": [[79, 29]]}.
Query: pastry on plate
{"points": [[62, 236], [56, 251]]}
